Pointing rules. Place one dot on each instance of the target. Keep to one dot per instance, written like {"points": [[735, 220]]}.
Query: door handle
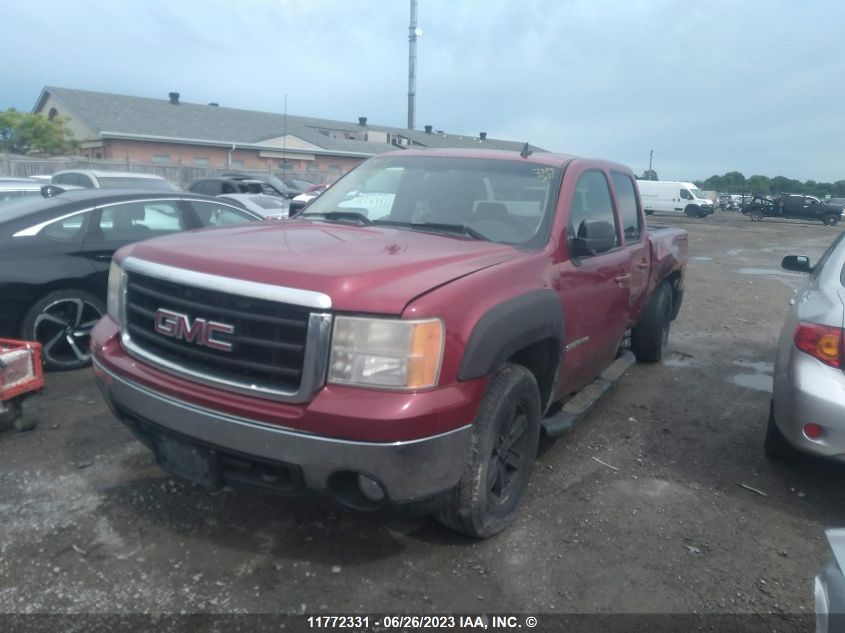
{"points": [[621, 279], [642, 265], [103, 257]]}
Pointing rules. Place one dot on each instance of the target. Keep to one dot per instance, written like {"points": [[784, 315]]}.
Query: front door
{"points": [[595, 288]]}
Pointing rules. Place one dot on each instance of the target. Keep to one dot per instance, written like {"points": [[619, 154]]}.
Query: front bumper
{"points": [[407, 471], [808, 391]]}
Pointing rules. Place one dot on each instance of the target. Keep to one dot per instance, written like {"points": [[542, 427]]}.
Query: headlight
{"points": [[116, 276], [386, 352]]}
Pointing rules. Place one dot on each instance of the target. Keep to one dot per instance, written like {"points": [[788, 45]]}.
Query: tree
{"points": [[22, 133], [649, 174], [759, 185]]}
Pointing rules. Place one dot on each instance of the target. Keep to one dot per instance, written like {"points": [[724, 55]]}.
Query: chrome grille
{"points": [[277, 349]]}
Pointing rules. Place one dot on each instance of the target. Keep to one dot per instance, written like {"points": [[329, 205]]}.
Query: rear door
{"points": [[595, 289], [635, 238], [115, 225]]}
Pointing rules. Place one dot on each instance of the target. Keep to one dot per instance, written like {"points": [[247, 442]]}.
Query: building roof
{"points": [[122, 116]]}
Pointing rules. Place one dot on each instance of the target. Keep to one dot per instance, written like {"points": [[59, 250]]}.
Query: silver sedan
{"points": [[808, 403]]}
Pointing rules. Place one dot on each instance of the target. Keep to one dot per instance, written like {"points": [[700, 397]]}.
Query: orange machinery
{"points": [[21, 377]]}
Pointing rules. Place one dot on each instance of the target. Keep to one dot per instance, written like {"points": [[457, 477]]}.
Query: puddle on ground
{"points": [[703, 259], [758, 382], [760, 366], [766, 271]]}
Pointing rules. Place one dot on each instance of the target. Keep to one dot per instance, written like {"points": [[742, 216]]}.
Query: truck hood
{"points": [[363, 269]]}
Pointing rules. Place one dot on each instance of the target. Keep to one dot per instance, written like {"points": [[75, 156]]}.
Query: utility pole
{"points": [[285, 141], [650, 154], [412, 65]]}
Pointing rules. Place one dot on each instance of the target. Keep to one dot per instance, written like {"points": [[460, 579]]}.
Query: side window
{"points": [[66, 230], [61, 179], [686, 195], [591, 203], [138, 221], [84, 181], [626, 198], [204, 186], [228, 188], [212, 214]]}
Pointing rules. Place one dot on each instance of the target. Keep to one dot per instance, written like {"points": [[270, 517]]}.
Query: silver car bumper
{"points": [[408, 471], [808, 391]]}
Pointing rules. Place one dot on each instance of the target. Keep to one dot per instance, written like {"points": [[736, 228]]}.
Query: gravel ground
{"points": [[90, 523]]}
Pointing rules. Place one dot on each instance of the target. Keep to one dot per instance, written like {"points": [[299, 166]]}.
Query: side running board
{"points": [[580, 404]]}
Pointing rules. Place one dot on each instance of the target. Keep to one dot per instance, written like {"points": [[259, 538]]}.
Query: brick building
{"points": [[169, 131]]}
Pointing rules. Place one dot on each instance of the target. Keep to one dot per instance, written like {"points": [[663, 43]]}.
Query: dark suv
{"points": [[218, 186]]}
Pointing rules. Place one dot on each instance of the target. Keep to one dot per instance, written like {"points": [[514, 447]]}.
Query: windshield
{"points": [[698, 193], [117, 182], [498, 200]]}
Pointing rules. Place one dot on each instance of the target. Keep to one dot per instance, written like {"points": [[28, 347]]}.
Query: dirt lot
{"points": [[89, 522]]}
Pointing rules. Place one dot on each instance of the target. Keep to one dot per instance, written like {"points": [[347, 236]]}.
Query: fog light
{"points": [[813, 431], [370, 488]]}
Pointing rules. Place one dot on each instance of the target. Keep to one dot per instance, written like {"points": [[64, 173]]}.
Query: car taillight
{"points": [[820, 341]]}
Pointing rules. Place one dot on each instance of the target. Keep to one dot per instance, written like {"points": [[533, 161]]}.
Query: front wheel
{"points": [[756, 215], [502, 450], [650, 336], [830, 220], [62, 323]]}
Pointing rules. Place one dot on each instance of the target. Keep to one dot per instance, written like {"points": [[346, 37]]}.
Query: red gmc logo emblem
{"points": [[199, 331]]}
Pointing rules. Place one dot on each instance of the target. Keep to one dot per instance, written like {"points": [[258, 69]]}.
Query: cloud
{"points": [[712, 87]]}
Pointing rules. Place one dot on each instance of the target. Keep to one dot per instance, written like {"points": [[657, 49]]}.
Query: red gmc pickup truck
{"points": [[404, 341]]}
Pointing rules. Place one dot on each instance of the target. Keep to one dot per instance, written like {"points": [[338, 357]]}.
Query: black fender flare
{"points": [[509, 327]]}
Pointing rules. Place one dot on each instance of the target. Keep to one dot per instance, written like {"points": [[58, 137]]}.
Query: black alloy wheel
{"points": [[508, 456], [62, 322]]}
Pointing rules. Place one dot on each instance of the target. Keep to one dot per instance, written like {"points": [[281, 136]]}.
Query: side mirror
{"points": [[594, 237], [796, 263], [48, 191]]}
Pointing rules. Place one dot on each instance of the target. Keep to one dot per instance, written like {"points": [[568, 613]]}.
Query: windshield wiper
{"points": [[340, 216], [460, 229]]}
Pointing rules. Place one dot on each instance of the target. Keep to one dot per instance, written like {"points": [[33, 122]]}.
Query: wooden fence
{"points": [[26, 166]]}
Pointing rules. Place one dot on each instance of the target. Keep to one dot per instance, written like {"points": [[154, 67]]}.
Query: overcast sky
{"points": [[756, 86]]}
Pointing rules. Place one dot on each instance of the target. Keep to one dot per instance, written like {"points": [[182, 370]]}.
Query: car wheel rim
{"points": [[506, 461], [64, 330]]}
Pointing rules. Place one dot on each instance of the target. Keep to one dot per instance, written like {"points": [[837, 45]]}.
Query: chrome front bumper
{"points": [[408, 471]]}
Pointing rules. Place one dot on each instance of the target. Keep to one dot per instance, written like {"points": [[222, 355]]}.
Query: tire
{"points": [[830, 220], [776, 446], [651, 335], [490, 490], [756, 215], [62, 323]]}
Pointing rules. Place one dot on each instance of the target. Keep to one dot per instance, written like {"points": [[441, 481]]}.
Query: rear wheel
{"points": [[650, 336], [776, 445], [756, 215], [62, 323], [830, 220], [503, 447]]}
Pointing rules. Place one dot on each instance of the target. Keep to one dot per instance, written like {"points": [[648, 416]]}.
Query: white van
{"points": [[674, 197]]}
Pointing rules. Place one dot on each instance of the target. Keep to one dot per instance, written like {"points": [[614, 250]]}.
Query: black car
{"points": [[273, 186], [55, 255], [215, 186], [794, 206]]}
